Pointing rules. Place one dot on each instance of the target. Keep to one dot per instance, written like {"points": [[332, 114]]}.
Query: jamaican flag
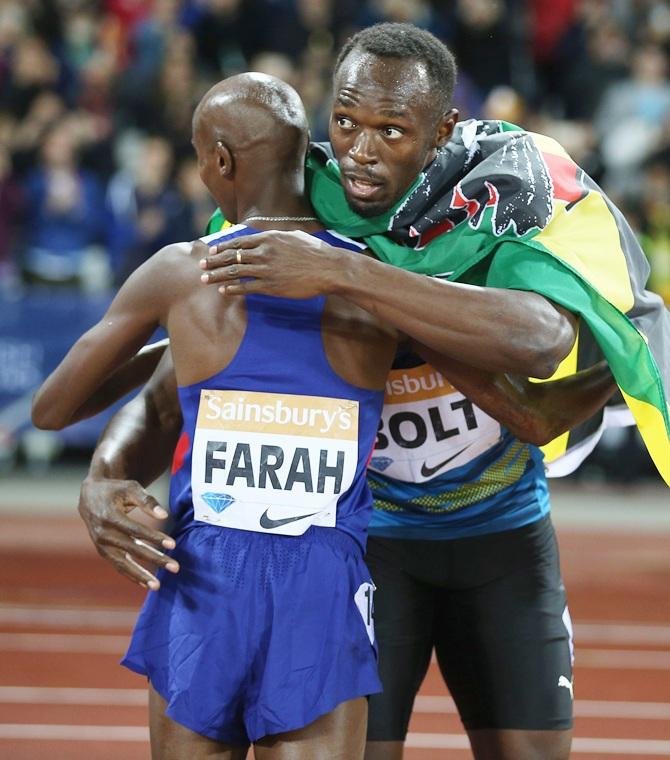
{"points": [[502, 207]]}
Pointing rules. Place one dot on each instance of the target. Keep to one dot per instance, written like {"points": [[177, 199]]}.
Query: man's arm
{"points": [[534, 412], [131, 319], [134, 450], [135, 372], [495, 329]]}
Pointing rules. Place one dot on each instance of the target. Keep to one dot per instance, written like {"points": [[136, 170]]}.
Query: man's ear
{"points": [[224, 159], [446, 127]]}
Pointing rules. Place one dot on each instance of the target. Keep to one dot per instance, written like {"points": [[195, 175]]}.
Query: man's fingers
{"points": [[136, 496], [233, 272], [137, 573], [239, 288], [117, 547], [152, 507], [224, 254], [152, 554], [244, 242], [127, 566], [228, 259], [133, 529]]}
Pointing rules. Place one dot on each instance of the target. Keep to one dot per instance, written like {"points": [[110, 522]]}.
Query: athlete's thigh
{"points": [[338, 735], [494, 744], [172, 741], [404, 611], [502, 633]]}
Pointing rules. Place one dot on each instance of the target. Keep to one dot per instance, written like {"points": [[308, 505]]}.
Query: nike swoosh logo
{"points": [[426, 471], [268, 523]]}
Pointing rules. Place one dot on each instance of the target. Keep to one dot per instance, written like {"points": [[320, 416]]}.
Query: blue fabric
{"points": [[258, 634]]}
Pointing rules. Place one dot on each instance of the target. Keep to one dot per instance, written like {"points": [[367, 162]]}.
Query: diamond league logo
{"points": [[381, 463], [218, 501]]}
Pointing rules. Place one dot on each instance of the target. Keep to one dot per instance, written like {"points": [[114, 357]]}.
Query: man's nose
{"points": [[362, 149]]}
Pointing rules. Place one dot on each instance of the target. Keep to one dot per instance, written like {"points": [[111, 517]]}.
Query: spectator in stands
{"points": [[224, 37], [631, 117], [10, 211], [195, 202], [143, 205], [66, 222]]}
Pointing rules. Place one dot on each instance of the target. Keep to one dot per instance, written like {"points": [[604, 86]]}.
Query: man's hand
{"points": [[126, 543], [288, 264]]}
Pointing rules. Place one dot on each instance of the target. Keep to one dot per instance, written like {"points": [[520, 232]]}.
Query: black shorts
{"points": [[494, 609]]}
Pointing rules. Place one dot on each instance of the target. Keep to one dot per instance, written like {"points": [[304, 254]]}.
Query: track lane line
{"points": [[583, 745], [584, 708], [69, 695], [76, 643]]}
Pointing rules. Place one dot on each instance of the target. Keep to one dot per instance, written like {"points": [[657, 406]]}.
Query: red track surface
{"points": [[65, 617]]}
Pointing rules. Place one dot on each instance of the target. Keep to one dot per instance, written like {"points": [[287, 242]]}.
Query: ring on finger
{"points": [[239, 257]]}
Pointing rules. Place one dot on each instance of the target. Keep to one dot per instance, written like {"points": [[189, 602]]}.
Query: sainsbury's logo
{"points": [[404, 383], [271, 412]]}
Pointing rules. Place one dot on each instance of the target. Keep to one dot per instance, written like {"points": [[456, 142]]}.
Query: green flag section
{"points": [[217, 222]]}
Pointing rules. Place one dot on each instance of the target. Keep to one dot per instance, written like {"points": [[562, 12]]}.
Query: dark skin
{"points": [[383, 133], [205, 332]]}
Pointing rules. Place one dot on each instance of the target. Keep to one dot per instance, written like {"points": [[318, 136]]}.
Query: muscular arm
{"points": [[129, 376], [533, 412], [495, 329], [134, 449], [133, 316]]}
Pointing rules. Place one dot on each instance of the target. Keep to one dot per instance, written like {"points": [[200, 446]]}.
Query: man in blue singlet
{"points": [[265, 636]]}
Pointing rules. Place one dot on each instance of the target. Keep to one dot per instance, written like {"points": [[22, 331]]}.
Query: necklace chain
{"points": [[281, 219]]}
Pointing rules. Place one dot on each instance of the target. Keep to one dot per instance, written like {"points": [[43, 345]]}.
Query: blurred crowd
{"points": [[96, 97]]}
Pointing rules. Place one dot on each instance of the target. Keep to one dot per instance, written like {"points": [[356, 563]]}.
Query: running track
{"points": [[65, 617]]}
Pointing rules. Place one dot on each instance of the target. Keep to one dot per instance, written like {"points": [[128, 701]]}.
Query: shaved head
{"points": [[250, 135], [251, 110]]}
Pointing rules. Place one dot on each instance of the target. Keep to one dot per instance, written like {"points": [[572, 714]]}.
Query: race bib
{"points": [[364, 598], [428, 427], [272, 462]]}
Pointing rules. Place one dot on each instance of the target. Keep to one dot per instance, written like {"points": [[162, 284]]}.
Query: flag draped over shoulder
{"points": [[507, 208]]}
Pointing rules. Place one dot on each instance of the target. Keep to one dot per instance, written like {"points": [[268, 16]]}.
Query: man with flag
{"points": [[518, 242]]}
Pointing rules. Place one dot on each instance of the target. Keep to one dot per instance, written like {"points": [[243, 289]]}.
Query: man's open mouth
{"points": [[359, 187]]}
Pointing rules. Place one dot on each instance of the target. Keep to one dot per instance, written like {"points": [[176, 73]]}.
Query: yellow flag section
{"points": [[271, 462], [582, 232], [556, 448], [584, 235], [651, 425], [587, 238]]}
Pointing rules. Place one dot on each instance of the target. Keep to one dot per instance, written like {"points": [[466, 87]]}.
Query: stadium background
{"points": [[97, 172]]}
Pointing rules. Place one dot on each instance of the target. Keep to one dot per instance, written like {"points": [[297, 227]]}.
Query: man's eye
{"points": [[344, 123], [393, 133]]}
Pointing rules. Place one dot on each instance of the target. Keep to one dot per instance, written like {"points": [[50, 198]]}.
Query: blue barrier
{"points": [[36, 331]]}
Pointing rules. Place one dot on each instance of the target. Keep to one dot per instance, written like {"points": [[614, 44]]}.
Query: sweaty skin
{"points": [[383, 134]]}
